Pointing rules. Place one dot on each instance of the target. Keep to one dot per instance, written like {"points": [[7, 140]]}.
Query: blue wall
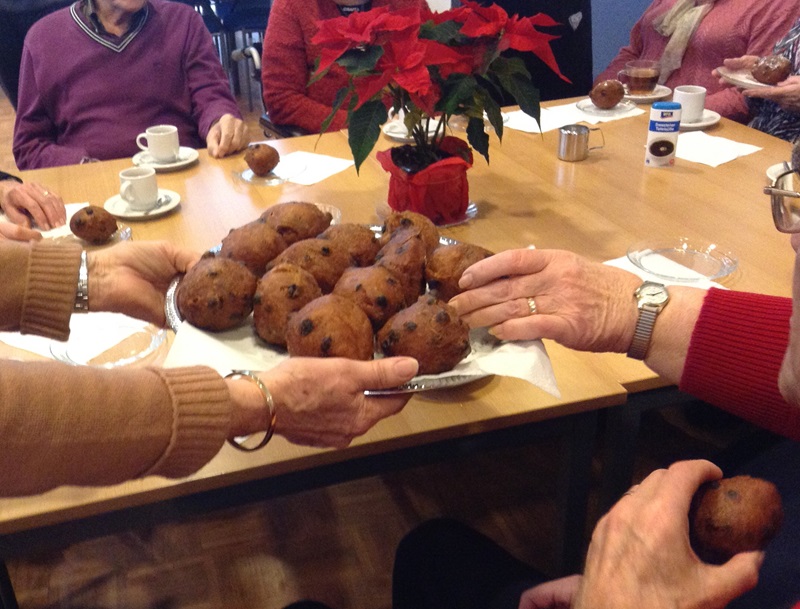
{"points": [[611, 25]]}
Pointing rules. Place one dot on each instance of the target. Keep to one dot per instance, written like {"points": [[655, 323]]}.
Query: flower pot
{"points": [[439, 191]]}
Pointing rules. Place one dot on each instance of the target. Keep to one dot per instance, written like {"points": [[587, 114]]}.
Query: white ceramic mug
{"points": [[161, 142], [138, 187], [692, 99]]}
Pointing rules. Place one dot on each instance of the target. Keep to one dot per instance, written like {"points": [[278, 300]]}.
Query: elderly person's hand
{"points": [[745, 62], [786, 94], [640, 555], [580, 304], [226, 136], [555, 594], [31, 204], [15, 232], [132, 277]]}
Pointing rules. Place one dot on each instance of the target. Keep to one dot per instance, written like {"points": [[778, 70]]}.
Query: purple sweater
{"points": [[79, 98]]}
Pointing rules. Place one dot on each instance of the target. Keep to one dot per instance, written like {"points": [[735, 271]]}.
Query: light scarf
{"points": [[679, 23]]}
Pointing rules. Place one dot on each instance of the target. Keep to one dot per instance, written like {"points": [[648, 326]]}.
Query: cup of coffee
{"points": [[137, 186], [161, 142], [692, 99], [640, 76], [573, 142]]}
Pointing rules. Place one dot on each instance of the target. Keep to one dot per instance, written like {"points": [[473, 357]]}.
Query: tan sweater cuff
{"points": [[201, 420], [50, 293]]}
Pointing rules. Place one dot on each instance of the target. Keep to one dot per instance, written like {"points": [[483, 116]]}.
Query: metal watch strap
{"points": [[82, 292], [643, 331]]}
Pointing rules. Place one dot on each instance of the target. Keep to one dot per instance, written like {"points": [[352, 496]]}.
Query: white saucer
{"points": [[186, 156], [740, 78], [118, 207], [682, 259], [708, 119], [660, 92], [287, 168], [396, 131], [622, 107]]}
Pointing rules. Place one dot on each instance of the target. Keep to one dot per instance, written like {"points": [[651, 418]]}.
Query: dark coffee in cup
{"points": [[642, 81]]}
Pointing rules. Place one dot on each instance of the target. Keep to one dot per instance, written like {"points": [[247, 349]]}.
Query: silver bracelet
{"points": [[82, 292], [239, 442]]}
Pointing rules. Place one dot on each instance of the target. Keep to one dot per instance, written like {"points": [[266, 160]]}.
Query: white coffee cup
{"points": [[692, 99], [138, 187], [161, 142]]}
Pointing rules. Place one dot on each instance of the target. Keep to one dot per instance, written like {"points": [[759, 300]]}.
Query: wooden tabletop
{"points": [[597, 207]]}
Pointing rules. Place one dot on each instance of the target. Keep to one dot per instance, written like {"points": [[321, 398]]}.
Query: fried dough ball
{"points": [[360, 241], [254, 245], [733, 515], [261, 158], [446, 265], [772, 69], [375, 289], [297, 220], [607, 94], [325, 260], [397, 221], [404, 255], [429, 331], [330, 326], [93, 224], [282, 291], [216, 293]]}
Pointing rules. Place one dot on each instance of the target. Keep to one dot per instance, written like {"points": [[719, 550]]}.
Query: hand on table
{"points": [[226, 136], [786, 94], [640, 555], [23, 203], [15, 232], [321, 401], [556, 594], [581, 304], [132, 277]]}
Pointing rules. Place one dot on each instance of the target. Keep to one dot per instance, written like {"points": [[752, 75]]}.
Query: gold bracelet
{"points": [[238, 442]]}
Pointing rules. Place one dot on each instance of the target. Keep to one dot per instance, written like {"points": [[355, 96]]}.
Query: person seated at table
{"points": [[775, 110], [288, 62], [16, 18], [692, 37], [100, 72], [88, 426], [27, 205]]}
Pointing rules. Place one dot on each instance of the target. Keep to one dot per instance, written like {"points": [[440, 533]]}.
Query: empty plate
{"points": [[682, 259]]}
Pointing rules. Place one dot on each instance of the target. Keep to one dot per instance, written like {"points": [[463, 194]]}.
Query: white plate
{"points": [[709, 119], [660, 92], [774, 171], [397, 132], [123, 234], [144, 340], [682, 259], [285, 170], [186, 156], [740, 78], [167, 201], [622, 107]]}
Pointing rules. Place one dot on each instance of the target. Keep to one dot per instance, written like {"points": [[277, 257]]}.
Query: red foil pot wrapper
{"points": [[439, 192]]}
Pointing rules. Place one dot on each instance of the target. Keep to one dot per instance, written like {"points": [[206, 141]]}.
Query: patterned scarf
{"points": [[679, 23]]}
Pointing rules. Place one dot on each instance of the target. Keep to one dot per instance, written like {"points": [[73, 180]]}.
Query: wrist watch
{"points": [[651, 298]]}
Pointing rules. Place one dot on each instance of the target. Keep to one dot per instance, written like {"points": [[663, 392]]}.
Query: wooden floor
{"points": [[334, 544]]}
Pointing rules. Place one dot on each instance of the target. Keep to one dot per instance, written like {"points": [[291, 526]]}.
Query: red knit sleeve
{"points": [[735, 356]]}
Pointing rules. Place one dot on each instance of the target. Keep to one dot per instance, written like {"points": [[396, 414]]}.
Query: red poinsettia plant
{"points": [[429, 66]]}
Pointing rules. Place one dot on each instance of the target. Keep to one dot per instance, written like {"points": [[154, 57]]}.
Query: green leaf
{"points": [[341, 94], [458, 90], [526, 95], [445, 32], [493, 112], [477, 138], [364, 129], [358, 62]]}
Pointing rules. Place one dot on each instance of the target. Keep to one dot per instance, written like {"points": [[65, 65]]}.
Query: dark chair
{"points": [[251, 55], [244, 22]]}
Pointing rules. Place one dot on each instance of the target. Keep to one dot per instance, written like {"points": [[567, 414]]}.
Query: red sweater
{"points": [[288, 61], [735, 356]]}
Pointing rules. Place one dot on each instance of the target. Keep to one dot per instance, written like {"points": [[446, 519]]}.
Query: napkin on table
{"points": [[667, 267], [317, 166], [555, 117], [699, 147], [241, 348]]}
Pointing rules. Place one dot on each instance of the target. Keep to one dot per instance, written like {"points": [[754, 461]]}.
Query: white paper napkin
{"points": [[90, 335], [668, 267], [699, 147], [555, 117], [240, 348], [317, 166], [61, 231]]}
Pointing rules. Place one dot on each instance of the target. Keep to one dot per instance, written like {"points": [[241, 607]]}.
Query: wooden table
{"points": [[597, 207]]}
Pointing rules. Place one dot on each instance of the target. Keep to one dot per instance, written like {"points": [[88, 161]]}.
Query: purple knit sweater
{"points": [[79, 98]]}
